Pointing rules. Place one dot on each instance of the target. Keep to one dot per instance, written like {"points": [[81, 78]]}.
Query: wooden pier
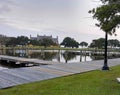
{"points": [[20, 60], [18, 76]]}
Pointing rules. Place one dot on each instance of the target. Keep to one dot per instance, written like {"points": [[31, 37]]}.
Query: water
{"points": [[50, 55], [54, 55]]}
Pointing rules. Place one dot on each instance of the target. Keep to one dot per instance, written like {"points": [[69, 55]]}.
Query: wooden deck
{"points": [[19, 60], [18, 76]]}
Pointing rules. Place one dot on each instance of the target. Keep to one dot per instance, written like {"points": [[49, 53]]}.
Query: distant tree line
{"points": [[72, 43], [4, 40], [96, 43], [100, 43], [67, 42], [22, 40]]}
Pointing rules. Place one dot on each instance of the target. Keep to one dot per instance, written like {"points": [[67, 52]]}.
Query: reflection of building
{"points": [[39, 37]]}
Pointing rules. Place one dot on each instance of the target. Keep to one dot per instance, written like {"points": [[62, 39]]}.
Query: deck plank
{"points": [[13, 77]]}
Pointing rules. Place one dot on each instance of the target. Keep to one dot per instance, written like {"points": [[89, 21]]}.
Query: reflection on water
{"points": [[5, 64], [58, 56], [53, 55]]}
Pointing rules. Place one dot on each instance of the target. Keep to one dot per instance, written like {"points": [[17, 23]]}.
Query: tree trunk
{"points": [[105, 67]]}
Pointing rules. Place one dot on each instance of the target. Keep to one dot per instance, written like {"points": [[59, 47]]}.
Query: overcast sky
{"points": [[62, 18]]}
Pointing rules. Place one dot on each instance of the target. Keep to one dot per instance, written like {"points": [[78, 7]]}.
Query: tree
{"points": [[11, 42], [98, 43], [46, 42], [108, 16], [113, 43], [69, 42], [66, 42], [4, 40], [83, 44], [35, 42], [20, 40]]}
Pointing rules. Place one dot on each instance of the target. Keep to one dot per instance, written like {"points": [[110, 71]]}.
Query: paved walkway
{"points": [[13, 77]]}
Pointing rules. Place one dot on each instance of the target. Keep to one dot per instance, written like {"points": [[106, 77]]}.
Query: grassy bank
{"points": [[56, 48], [90, 83], [49, 48]]}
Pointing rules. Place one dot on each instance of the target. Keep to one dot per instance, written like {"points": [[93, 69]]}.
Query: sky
{"points": [[62, 18]]}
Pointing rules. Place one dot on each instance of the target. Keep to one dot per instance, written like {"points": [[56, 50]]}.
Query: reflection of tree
{"points": [[50, 55], [10, 52], [68, 56], [80, 57], [58, 56], [100, 57], [96, 57], [83, 56], [44, 55]]}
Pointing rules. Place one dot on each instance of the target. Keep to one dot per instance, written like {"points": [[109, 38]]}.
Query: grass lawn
{"points": [[91, 83]]}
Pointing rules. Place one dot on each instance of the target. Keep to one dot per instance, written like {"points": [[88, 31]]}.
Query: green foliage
{"points": [[110, 1], [69, 42], [83, 44], [99, 43], [113, 43], [35, 42], [4, 40], [47, 42], [20, 40], [108, 15], [11, 42]]}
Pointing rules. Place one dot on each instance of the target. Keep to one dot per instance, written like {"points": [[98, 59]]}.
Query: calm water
{"points": [[50, 55]]}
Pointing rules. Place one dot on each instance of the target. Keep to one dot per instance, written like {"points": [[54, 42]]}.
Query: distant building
{"points": [[39, 37]]}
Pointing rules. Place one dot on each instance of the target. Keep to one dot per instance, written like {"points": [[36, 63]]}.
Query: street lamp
{"points": [[105, 66]]}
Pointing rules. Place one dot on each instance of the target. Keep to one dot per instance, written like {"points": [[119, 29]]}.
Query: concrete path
{"points": [[13, 77]]}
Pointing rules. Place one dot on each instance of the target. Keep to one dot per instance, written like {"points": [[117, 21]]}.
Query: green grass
{"points": [[91, 83]]}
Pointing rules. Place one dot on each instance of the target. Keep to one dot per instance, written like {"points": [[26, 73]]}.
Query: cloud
{"points": [[5, 6], [39, 15], [46, 15]]}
